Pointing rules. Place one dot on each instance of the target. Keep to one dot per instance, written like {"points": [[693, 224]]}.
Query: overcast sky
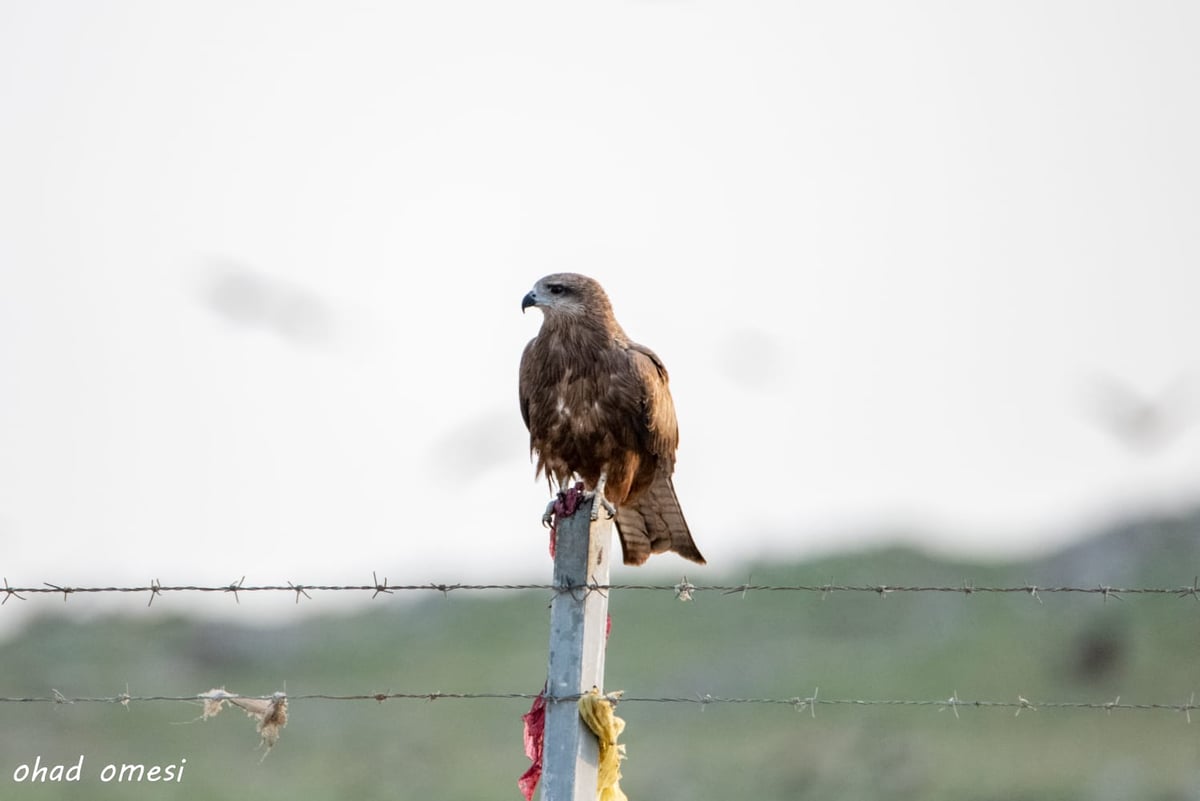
{"points": [[909, 264]]}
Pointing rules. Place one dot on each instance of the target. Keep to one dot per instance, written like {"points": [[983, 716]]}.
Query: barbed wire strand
{"points": [[684, 590], [800, 703]]}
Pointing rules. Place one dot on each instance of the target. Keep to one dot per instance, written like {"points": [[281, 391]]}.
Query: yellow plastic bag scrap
{"points": [[597, 712]]}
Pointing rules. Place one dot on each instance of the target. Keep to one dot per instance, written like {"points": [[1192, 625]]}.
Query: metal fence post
{"points": [[578, 629]]}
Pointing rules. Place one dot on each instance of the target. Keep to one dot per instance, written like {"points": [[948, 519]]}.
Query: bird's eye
{"points": [[556, 289]]}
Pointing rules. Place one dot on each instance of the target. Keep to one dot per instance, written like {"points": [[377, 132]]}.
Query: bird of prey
{"points": [[598, 407]]}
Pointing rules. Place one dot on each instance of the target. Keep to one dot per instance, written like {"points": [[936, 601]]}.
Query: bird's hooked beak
{"points": [[530, 299]]}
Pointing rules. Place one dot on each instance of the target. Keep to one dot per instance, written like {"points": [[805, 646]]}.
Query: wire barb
{"points": [[952, 704], [379, 587], [811, 703], [9, 592], [741, 589], [64, 590], [594, 586], [234, 586]]}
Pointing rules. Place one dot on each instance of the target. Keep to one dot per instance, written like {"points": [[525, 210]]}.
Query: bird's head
{"points": [[567, 295]]}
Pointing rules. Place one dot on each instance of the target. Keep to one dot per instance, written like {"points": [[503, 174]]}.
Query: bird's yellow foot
{"points": [[601, 500]]}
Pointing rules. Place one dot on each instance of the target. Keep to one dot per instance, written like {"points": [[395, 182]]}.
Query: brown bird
{"points": [[597, 406]]}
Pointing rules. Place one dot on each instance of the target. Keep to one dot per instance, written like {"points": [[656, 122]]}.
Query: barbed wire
{"points": [[683, 590], [808, 703]]}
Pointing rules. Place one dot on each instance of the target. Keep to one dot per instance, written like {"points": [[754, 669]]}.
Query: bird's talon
{"points": [[608, 507]]}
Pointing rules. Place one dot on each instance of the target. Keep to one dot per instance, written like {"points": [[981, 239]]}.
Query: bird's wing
{"points": [[661, 433], [525, 380]]}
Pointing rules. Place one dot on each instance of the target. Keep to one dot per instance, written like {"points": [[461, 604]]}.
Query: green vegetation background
{"points": [[760, 645]]}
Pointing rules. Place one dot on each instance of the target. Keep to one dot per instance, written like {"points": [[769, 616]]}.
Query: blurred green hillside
{"points": [[1058, 647]]}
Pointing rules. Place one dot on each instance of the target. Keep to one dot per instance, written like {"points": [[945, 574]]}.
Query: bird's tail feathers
{"points": [[654, 524]]}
